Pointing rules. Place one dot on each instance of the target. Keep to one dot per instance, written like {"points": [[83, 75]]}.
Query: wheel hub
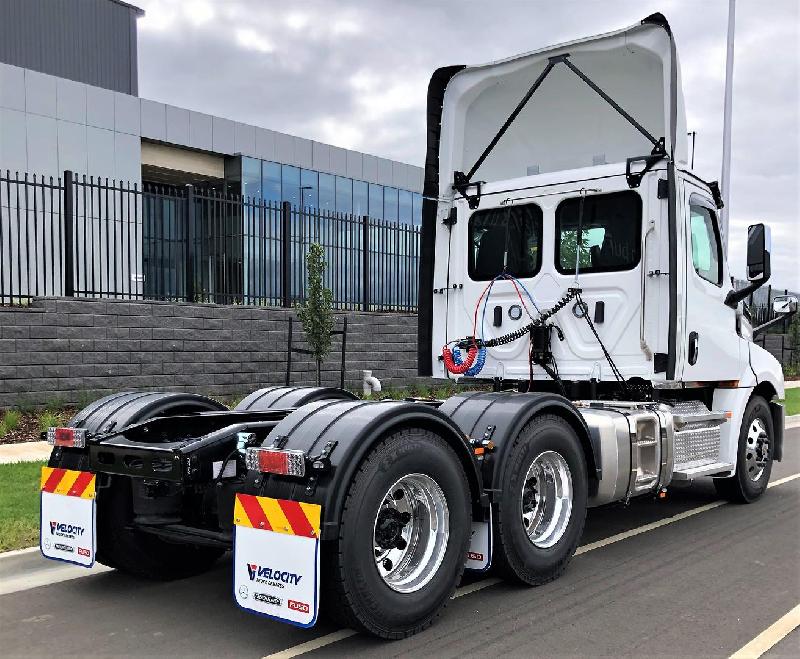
{"points": [[757, 449], [546, 501], [410, 533], [389, 528]]}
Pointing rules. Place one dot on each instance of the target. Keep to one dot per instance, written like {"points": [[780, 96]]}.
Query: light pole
{"points": [[726, 128]]}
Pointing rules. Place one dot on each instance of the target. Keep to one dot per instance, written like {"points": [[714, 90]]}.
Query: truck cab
{"points": [[567, 168]]}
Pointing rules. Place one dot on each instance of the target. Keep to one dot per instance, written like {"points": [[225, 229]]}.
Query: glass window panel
{"points": [[417, 209], [390, 204], [344, 194], [376, 201], [405, 210], [610, 233], [290, 184], [360, 198], [506, 239], [706, 249], [309, 188], [271, 182], [327, 192], [251, 178]]}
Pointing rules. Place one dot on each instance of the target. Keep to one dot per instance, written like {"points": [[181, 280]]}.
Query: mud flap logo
{"points": [[302, 607]]}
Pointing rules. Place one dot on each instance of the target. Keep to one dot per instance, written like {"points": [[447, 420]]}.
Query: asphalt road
{"points": [[706, 582]]}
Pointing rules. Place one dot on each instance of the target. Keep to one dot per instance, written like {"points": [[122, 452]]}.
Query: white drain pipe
{"points": [[371, 384]]}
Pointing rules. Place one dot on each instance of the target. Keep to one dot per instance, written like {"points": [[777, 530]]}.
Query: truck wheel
{"points": [[754, 457], [403, 537], [542, 510]]}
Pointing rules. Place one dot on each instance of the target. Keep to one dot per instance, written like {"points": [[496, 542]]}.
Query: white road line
{"points": [[45, 577], [328, 639], [770, 636], [310, 646], [647, 527], [781, 481], [475, 587]]}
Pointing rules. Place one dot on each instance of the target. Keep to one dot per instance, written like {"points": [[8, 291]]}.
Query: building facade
{"points": [[68, 83]]}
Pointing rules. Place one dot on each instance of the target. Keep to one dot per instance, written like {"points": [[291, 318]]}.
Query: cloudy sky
{"points": [[354, 74]]}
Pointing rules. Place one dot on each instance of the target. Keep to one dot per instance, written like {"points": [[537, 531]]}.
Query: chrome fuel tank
{"points": [[635, 441]]}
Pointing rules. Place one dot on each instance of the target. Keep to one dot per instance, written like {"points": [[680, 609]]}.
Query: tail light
{"points": [[73, 437], [276, 461]]}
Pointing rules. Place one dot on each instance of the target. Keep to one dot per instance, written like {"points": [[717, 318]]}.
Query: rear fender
{"points": [[352, 428], [282, 398], [500, 416]]}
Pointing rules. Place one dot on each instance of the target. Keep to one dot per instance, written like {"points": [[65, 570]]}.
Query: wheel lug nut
{"points": [[387, 564], [401, 544], [398, 494]]}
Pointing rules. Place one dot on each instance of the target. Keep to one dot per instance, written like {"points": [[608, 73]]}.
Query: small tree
{"points": [[316, 314]]}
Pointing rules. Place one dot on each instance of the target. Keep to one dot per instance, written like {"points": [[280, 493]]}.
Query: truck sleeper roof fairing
{"points": [[565, 125]]}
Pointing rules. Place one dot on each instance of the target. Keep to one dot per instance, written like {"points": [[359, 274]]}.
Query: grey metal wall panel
{"points": [[91, 41]]}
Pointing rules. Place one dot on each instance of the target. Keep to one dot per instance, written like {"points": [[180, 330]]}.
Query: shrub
{"points": [[316, 314], [48, 419]]}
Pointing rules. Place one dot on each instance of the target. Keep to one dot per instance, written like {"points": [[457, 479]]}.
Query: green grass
{"points": [[792, 401], [19, 505]]}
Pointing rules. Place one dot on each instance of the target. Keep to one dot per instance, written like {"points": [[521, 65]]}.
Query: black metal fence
{"points": [[90, 237]]}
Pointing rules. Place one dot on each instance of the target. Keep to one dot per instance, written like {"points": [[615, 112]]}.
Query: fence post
{"points": [[190, 227], [365, 263], [67, 219], [286, 253]]}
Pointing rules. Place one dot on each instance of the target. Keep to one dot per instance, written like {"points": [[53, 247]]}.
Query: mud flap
{"points": [[276, 558], [479, 555], [67, 526]]}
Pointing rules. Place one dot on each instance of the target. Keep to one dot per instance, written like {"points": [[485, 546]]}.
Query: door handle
{"points": [[694, 347]]}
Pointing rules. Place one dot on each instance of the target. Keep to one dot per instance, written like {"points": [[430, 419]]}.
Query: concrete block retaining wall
{"points": [[62, 349]]}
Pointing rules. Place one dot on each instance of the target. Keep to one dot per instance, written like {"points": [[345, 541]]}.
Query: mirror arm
{"points": [[734, 297], [774, 321]]}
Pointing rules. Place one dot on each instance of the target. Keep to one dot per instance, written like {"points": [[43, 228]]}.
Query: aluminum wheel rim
{"points": [[410, 533], [546, 503], [757, 449]]}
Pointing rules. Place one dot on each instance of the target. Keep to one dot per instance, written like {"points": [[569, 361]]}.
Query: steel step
{"points": [[692, 470]]}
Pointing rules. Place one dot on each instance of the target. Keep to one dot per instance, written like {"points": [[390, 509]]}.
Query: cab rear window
{"points": [[506, 239], [611, 230]]}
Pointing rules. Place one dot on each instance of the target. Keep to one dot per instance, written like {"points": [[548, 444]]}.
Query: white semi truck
{"points": [[572, 262]]}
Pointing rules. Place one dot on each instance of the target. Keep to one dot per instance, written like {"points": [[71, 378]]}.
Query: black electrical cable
{"points": [[571, 294], [617, 373]]}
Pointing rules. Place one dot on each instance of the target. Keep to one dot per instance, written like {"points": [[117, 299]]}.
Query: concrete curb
{"points": [[25, 452]]}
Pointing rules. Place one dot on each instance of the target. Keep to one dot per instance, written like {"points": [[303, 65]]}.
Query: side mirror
{"points": [[784, 304], [759, 246]]}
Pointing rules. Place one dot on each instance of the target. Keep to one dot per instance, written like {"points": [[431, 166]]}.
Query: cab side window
{"points": [[706, 248]]}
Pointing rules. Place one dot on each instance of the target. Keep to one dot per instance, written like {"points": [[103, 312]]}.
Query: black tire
{"points": [[741, 488], [118, 545], [355, 594], [516, 557]]}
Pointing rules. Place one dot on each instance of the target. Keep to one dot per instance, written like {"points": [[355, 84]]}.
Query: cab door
{"points": [[711, 347]]}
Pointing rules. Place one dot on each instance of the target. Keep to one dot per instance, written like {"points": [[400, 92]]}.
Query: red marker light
{"points": [[276, 461], [70, 437]]}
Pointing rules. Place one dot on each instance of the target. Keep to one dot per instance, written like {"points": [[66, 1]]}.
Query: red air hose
{"points": [[459, 369]]}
